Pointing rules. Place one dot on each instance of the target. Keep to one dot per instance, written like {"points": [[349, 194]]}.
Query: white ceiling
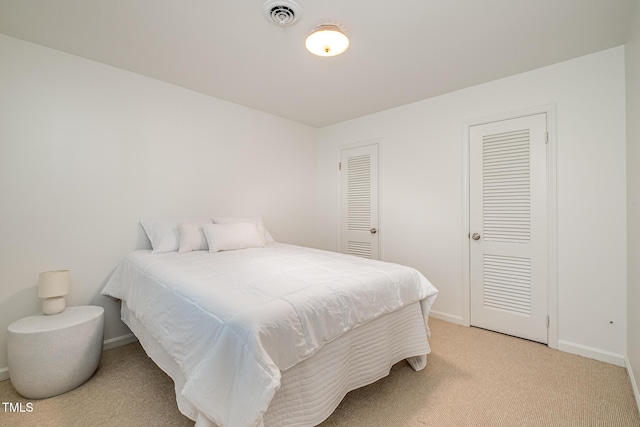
{"points": [[401, 50]]}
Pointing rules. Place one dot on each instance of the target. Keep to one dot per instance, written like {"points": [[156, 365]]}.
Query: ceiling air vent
{"points": [[282, 12]]}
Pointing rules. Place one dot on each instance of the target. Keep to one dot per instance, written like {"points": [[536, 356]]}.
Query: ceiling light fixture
{"points": [[327, 40]]}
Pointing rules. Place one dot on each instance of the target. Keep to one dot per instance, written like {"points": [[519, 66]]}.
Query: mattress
{"points": [[234, 321]]}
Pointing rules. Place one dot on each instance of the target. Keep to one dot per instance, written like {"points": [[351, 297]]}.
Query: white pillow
{"points": [[164, 234], [238, 235], [191, 238], [267, 237]]}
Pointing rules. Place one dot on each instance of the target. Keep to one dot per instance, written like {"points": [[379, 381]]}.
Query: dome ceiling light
{"points": [[327, 40]]}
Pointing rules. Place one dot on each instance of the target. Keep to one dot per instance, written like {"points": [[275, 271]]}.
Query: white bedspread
{"points": [[233, 320]]}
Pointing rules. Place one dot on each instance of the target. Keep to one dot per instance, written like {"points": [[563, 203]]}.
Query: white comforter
{"points": [[233, 320]]}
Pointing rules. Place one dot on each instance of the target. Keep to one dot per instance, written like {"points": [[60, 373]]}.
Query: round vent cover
{"points": [[282, 12]]}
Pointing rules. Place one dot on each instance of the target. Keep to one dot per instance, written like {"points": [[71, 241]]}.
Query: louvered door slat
{"points": [[506, 177], [507, 283], [358, 196], [361, 249]]}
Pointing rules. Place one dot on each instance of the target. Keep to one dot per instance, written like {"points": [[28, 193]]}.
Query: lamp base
{"points": [[53, 305]]}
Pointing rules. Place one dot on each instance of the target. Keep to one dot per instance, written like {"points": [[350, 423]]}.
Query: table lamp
{"points": [[53, 286]]}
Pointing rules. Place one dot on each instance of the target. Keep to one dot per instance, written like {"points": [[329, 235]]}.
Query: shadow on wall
{"points": [[22, 304], [19, 305], [143, 241], [113, 326]]}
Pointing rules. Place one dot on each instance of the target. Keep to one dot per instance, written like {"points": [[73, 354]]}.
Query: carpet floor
{"points": [[473, 377]]}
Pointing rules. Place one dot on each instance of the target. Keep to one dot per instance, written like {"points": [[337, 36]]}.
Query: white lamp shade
{"points": [[53, 284], [327, 40]]}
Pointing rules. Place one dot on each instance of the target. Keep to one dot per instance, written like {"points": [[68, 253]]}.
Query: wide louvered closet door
{"points": [[508, 226], [359, 201]]}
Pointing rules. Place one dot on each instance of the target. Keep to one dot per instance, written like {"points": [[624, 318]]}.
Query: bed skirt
{"points": [[311, 390]]}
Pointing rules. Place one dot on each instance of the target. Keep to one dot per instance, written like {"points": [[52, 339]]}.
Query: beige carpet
{"points": [[473, 378]]}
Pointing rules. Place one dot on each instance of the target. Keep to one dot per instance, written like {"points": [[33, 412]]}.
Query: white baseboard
{"points": [[446, 317], [592, 353], [107, 345], [118, 341], [634, 383]]}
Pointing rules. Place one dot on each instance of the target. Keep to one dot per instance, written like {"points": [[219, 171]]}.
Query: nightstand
{"points": [[50, 355]]}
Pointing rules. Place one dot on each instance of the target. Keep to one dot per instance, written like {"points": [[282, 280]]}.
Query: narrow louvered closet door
{"points": [[359, 201], [508, 226]]}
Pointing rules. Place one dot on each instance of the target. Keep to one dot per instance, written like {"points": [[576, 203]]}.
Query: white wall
{"points": [[87, 150], [421, 185], [632, 62]]}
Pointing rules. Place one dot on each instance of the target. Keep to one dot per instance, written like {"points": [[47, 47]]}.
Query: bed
{"points": [[274, 335]]}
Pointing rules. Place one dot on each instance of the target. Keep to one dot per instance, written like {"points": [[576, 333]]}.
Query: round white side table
{"points": [[50, 355]]}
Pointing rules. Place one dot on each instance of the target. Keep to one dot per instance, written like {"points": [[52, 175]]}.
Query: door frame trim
{"points": [[363, 143], [550, 111]]}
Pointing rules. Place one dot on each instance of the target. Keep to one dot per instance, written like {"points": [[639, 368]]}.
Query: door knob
{"points": [[475, 236], [373, 231]]}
